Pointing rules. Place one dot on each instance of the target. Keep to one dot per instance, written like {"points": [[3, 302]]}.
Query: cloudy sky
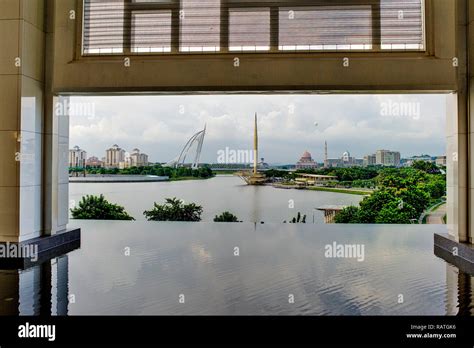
{"points": [[288, 124]]}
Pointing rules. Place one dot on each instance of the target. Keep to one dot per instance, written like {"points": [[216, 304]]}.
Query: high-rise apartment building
{"points": [[114, 156], [77, 157], [370, 160], [138, 159], [387, 158]]}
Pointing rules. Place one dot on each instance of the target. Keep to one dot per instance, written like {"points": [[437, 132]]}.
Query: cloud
{"points": [[288, 124]]}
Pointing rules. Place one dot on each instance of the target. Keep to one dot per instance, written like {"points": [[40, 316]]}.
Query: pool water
{"points": [[151, 268]]}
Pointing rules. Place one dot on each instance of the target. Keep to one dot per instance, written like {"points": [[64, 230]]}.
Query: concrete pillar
{"points": [[56, 142], [22, 42], [470, 111], [456, 161], [55, 170], [33, 141], [458, 157]]}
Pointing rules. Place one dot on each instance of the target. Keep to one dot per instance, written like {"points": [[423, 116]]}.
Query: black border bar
{"points": [[194, 330]]}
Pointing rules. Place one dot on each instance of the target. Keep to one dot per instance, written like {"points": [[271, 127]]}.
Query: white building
{"points": [[370, 160], [135, 159], [441, 161], [345, 161], [114, 156], [138, 159], [387, 158], [77, 158], [408, 162]]}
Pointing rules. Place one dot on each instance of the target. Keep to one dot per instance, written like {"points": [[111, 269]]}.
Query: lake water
{"points": [[191, 268], [144, 268], [216, 195]]}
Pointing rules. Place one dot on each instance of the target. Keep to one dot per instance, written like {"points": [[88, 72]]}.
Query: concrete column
{"points": [[33, 141], [457, 129], [470, 111], [22, 42], [456, 160], [56, 141], [56, 176]]}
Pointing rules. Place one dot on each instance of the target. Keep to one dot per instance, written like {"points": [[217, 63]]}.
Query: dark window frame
{"points": [[134, 7], [274, 5]]}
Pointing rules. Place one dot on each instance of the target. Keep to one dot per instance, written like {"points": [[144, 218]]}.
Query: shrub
{"points": [[174, 210], [98, 208], [226, 217], [347, 215]]}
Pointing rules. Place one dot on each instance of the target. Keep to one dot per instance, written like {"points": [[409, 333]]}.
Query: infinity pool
{"points": [[142, 268]]}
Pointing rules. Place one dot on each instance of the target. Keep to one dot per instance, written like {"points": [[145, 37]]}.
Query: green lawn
{"points": [[339, 190], [181, 178]]}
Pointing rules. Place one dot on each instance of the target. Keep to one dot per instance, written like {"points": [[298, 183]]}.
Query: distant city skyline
{"points": [[288, 125]]}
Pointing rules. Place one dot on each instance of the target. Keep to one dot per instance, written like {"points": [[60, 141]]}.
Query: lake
{"points": [[216, 195]]}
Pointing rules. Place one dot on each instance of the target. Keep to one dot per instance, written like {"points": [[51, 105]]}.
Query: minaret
{"points": [[254, 177], [325, 154], [255, 146]]}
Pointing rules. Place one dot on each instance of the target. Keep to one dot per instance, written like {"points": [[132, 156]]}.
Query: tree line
{"points": [[156, 169], [402, 195], [98, 208]]}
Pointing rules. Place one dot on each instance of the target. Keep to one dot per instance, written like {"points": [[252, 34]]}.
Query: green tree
{"points": [[345, 174], [174, 210], [436, 186], [347, 215], [401, 177], [226, 217], [371, 205], [427, 167], [415, 197], [395, 213], [98, 208], [403, 195]]}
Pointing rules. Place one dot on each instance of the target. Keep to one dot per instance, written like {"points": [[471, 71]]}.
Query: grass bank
{"points": [[327, 189], [340, 190], [183, 178]]}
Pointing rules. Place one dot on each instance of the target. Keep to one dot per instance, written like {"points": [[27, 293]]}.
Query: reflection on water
{"points": [[166, 260], [39, 290]]}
